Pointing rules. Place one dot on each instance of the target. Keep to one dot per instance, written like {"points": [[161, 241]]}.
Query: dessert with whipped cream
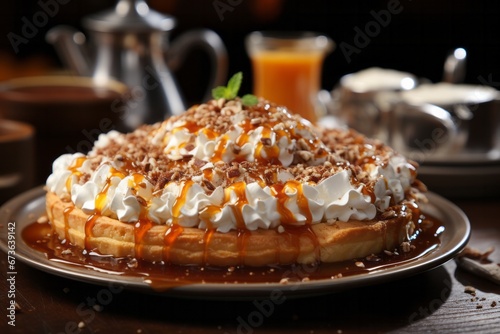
{"points": [[229, 184]]}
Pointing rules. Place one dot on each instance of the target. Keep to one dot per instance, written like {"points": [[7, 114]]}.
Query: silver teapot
{"points": [[130, 43]]}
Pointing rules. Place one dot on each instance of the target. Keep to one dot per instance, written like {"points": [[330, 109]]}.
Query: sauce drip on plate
{"points": [[162, 275]]}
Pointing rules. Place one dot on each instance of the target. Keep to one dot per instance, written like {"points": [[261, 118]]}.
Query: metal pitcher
{"points": [[130, 43]]}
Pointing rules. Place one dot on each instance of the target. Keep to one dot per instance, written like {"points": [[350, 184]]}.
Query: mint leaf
{"points": [[231, 91], [249, 100], [233, 85], [219, 92]]}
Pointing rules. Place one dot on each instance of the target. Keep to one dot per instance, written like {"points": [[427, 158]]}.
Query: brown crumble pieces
{"points": [[341, 149]]}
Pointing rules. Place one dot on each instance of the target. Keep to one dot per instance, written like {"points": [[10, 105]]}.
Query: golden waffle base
{"points": [[181, 245]]}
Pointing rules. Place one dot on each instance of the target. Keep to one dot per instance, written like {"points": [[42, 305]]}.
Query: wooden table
{"points": [[434, 301]]}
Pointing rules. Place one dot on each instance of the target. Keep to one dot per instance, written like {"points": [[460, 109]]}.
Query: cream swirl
{"points": [[113, 194], [343, 201]]}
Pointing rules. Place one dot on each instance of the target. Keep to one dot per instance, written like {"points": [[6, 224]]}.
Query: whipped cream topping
{"points": [[244, 168]]}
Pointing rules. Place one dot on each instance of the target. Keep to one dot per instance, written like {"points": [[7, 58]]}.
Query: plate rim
{"points": [[452, 245]]}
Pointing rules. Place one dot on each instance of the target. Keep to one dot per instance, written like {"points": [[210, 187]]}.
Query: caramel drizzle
{"points": [[169, 239], [205, 215], [208, 173], [77, 163], [210, 134], [296, 232], [242, 237], [89, 226], [238, 189], [144, 224], [66, 212], [302, 202], [287, 217], [175, 229], [141, 228], [272, 152], [219, 149], [100, 201], [243, 233], [207, 237]]}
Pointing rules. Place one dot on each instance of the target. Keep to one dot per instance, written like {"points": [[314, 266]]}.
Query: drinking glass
{"points": [[287, 68]]}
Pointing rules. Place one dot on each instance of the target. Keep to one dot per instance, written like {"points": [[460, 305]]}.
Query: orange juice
{"points": [[290, 78], [287, 68]]}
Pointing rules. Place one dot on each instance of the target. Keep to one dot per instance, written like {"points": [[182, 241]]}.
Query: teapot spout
{"points": [[70, 46]]}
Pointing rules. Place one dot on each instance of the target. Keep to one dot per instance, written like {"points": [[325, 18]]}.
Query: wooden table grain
{"points": [[433, 301]]}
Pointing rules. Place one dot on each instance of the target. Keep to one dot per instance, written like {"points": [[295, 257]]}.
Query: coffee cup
{"points": [[67, 112], [17, 150]]}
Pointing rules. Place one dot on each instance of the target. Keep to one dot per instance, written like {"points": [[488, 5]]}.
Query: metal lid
{"points": [[129, 16]]}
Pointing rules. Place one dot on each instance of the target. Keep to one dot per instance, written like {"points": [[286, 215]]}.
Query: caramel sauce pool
{"points": [[161, 276]]}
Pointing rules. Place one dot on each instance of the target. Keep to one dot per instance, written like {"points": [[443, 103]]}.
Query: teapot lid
{"points": [[129, 16]]}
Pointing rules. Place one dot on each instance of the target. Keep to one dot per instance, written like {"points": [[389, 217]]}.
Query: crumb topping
{"points": [[324, 153]]}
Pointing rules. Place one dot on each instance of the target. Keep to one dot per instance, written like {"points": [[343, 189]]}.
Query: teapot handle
{"points": [[212, 44], [70, 45]]}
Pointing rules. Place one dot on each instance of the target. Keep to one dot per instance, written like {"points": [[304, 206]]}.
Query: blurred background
{"points": [[417, 39]]}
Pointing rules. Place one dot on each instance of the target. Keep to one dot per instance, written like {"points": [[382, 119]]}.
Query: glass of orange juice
{"points": [[287, 68]]}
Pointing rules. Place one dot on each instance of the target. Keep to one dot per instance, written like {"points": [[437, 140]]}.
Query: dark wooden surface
{"points": [[433, 301]]}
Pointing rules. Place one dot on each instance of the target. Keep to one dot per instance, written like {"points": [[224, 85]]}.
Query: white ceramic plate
{"points": [[27, 207]]}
